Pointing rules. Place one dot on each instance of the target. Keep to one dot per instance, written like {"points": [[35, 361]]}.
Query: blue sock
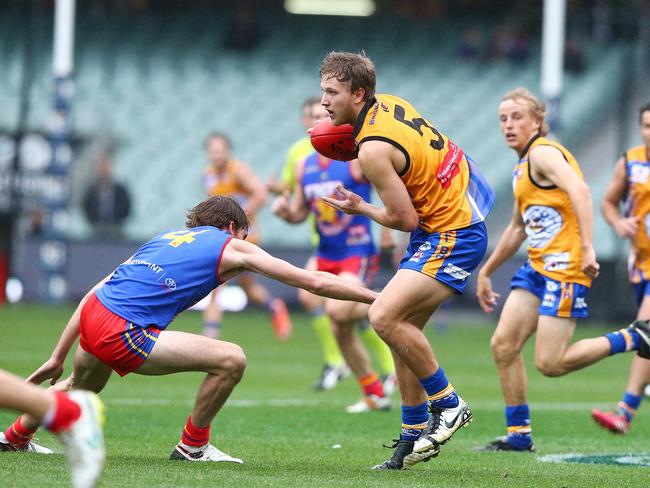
{"points": [[414, 421], [518, 422], [623, 340], [629, 405], [441, 393]]}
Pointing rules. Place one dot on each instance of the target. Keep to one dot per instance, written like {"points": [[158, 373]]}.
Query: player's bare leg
{"points": [[212, 316], [619, 421], [224, 364]]}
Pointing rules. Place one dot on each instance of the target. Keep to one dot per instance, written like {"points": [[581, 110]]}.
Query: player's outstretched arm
{"points": [[241, 256], [52, 369]]}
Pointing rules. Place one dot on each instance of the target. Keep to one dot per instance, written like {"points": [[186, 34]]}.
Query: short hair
{"points": [[218, 135], [310, 101], [536, 106], [218, 211], [642, 110], [357, 68]]}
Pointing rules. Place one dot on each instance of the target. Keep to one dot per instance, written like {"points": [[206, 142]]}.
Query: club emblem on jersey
{"points": [[542, 224]]}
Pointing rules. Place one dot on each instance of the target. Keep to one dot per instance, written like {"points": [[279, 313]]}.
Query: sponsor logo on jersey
{"points": [[450, 165], [456, 272]]}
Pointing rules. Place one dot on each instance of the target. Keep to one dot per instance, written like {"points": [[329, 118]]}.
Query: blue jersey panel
{"points": [[341, 235], [167, 275]]}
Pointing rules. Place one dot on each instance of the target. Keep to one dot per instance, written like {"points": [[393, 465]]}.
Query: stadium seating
{"points": [[159, 87]]}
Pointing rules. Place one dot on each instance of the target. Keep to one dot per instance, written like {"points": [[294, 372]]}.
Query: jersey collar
{"points": [[362, 116]]}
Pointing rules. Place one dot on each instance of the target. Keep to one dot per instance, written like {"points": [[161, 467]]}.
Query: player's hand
{"points": [[51, 370], [487, 298], [350, 203], [274, 185], [280, 205], [590, 266], [627, 227]]}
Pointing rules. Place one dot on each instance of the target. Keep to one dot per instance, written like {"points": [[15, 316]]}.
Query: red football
{"points": [[334, 141]]}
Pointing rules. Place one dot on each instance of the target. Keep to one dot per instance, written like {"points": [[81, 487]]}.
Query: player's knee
{"points": [[381, 321], [235, 362], [338, 311], [549, 367], [503, 350]]}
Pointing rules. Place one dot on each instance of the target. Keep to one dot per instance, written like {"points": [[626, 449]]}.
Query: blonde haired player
{"points": [[548, 293]]}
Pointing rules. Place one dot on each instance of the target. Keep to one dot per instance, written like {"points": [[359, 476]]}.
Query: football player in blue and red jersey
{"points": [[122, 322], [345, 248]]}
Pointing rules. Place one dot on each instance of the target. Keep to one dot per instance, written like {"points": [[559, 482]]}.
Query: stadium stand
{"points": [[159, 87]]}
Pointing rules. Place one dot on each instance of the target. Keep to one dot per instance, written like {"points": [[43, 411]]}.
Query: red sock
{"points": [[195, 436], [62, 414], [17, 435], [371, 385]]}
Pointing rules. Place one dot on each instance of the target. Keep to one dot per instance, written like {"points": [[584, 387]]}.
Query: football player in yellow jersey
{"points": [[548, 293], [630, 184], [431, 189], [228, 177]]}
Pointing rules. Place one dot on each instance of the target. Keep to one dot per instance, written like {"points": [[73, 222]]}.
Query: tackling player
{"points": [[122, 322]]}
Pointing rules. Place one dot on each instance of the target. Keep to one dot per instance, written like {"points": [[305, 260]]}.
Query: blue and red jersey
{"points": [[167, 275], [341, 235]]}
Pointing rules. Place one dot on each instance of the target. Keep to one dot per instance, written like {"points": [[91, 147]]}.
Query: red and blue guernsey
{"points": [[341, 235], [167, 275]]}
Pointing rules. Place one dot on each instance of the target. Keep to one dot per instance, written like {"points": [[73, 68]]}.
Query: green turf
{"points": [[293, 445]]}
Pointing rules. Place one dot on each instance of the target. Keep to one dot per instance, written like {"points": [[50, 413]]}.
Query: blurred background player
{"points": [[334, 368], [630, 184], [76, 418], [548, 293], [122, 321], [229, 177], [346, 248]]}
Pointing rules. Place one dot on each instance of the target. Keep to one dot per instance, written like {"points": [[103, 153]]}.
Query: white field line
{"points": [[302, 402]]}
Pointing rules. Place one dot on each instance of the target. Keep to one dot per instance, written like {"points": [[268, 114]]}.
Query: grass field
{"points": [[285, 432]]}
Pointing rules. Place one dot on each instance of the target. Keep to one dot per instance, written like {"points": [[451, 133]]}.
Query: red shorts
{"points": [[365, 267], [113, 340]]}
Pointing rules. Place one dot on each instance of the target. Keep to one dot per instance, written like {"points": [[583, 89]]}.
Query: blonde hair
{"points": [[536, 107]]}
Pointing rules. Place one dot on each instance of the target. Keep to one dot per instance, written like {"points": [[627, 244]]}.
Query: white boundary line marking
{"points": [[304, 402]]}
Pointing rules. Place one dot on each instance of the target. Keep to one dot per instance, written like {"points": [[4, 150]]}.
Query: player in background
{"points": [[122, 322], [334, 368], [431, 189], [346, 248], [227, 176], [548, 293], [630, 185], [76, 418]]}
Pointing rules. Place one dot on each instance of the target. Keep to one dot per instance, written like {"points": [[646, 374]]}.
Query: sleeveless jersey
{"points": [[340, 235], [226, 183], [167, 275], [554, 245], [446, 187], [637, 204]]}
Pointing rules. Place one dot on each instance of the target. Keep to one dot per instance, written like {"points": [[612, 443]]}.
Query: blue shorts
{"points": [[641, 289], [559, 298], [449, 257]]}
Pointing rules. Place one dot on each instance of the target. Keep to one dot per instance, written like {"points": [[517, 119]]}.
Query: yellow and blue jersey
{"points": [[446, 187], [554, 245], [340, 235], [637, 204], [166, 275]]}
